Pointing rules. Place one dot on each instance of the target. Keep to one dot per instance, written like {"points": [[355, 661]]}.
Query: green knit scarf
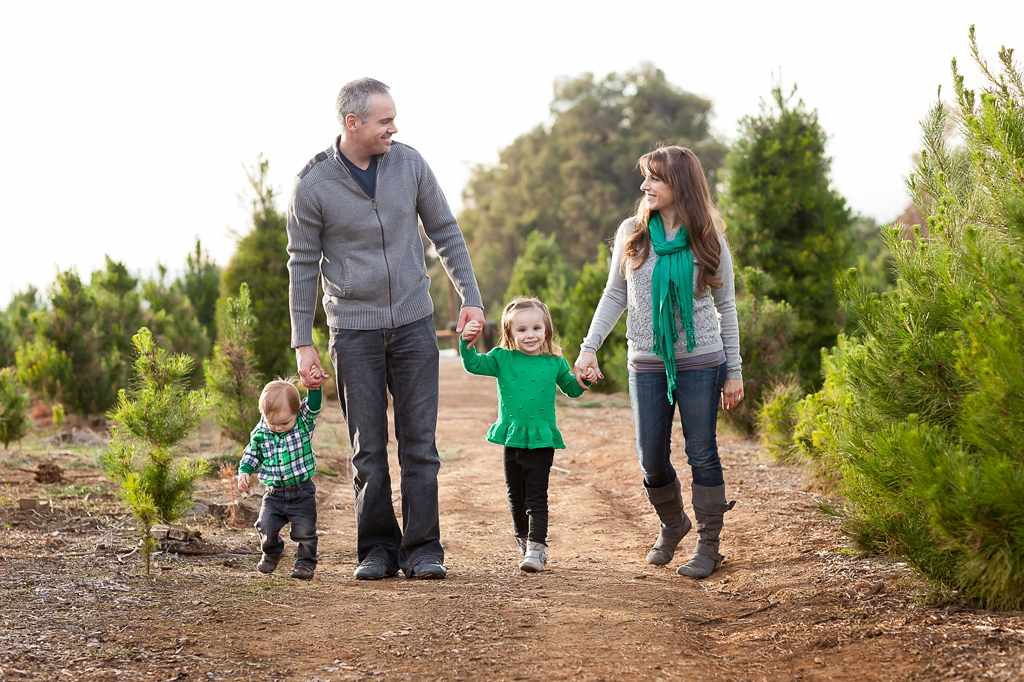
{"points": [[671, 287]]}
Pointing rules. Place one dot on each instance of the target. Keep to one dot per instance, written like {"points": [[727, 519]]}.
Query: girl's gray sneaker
{"points": [[536, 558]]}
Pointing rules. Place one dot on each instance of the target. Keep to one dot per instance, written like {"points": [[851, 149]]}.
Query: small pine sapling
{"points": [[152, 419], [231, 372], [13, 407]]}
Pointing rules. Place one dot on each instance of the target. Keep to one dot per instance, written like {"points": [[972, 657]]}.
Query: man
{"points": [[352, 219]]}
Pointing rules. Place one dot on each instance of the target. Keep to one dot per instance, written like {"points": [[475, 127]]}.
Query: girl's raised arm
{"points": [[474, 363]]}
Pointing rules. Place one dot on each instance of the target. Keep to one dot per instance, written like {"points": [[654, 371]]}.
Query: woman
{"points": [[672, 271]]}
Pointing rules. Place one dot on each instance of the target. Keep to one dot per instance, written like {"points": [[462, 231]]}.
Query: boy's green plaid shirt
{"points": [[282, 458]]}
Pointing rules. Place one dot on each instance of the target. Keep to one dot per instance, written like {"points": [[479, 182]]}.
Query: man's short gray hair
{"points": [[354, 98]]}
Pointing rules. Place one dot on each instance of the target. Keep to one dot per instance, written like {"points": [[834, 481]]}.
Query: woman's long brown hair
{"points": [[683, 172]]}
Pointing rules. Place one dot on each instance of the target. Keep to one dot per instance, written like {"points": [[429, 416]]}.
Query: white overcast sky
{"points": [[124, 126]]}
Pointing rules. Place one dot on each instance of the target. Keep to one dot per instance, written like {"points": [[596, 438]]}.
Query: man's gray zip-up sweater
{"points": [[368, 251]]}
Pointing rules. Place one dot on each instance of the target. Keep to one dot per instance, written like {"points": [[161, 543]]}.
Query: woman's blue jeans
{"points": [[697, 394]]}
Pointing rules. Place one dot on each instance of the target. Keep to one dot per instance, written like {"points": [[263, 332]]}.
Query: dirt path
{"points": [[792, 602]]}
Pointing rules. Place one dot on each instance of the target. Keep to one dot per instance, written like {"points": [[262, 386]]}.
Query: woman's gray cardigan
{"points": [[715, 324]]}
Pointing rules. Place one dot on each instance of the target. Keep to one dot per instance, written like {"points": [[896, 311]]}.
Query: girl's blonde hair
{"points": [[680, 168], [508, 341], [280, 393]]}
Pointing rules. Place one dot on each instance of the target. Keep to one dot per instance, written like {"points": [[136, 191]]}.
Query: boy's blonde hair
{"points": [[278, 394], [508, 342]]}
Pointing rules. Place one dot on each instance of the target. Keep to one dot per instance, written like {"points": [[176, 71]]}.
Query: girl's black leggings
{"points": [[526, 477]]}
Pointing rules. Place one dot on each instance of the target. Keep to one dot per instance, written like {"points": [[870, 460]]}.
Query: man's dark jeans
{"points": [[526, 478], [697, 395], [369, 365], [295, 504]]}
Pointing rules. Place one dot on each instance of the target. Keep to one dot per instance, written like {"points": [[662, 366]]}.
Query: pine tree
{"points": [[151, 419], [231, 371], [202, 286], [922, 413], [261, 261], [784, 218]]}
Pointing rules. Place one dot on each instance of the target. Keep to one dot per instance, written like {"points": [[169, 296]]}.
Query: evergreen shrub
{"points": [[767, 328], [777, 416], [923, 415]]}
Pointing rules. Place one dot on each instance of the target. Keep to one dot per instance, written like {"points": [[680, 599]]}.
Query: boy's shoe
{"points": [[521, 546], [303, 572], [268, 563], [536, 558]]}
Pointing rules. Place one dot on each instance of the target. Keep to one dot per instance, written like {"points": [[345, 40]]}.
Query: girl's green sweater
{"points": [[526, 394]]}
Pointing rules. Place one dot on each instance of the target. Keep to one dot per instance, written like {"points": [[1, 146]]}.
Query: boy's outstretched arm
{"points": [[250, 464]]}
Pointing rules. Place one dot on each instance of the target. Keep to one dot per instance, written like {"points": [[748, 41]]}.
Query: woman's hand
{"points": [[586, 366], [732, 393]]}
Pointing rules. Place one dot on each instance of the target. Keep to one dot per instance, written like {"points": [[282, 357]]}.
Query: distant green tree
{"points": [[74, 359], [152, 418], [575, 178], [119, 312], [13, 407], [541, 272], [261, 260], [202, 286], [231, 372], [173, 320], [784, 218], [16, 328]]}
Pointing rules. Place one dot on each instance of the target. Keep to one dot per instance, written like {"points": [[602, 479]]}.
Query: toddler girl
{"points": [[528, 365]]}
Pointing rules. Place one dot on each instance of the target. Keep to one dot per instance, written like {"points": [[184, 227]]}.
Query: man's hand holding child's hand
{"points": [[471, 330], [243, 482]]}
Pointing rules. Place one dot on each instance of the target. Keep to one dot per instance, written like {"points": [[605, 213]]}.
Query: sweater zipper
{"points": [[383, 244]]}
